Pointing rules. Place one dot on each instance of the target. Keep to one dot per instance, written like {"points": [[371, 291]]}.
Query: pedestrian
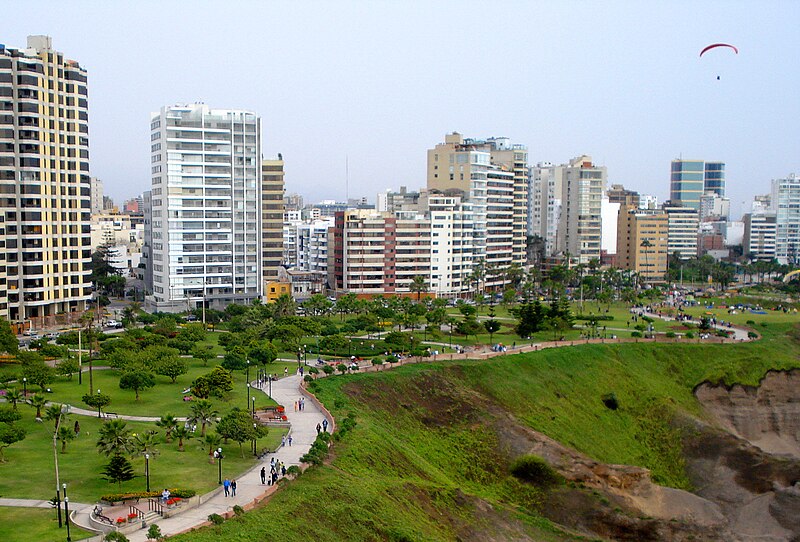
{"points": [[319, 427], [290, 440], [295, 406], [285, 371], [165, 495], [274, 477], [283, 440], [263, 475], [77, 428], [233, 487], [325, 424], [226, 485], [283, 470]]}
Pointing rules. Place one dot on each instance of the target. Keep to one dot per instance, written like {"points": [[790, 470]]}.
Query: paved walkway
{"points": [[33, 503]]}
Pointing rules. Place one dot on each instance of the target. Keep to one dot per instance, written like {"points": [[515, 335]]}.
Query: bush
{"points": [[115, 536], [752, 335], [238, 510], [308, 378], [750, 322], [181, 493], [610, 400], [216, 519], [596, 317], [154, 533], [689, 335], [671, 335], [294, 470], [533, 469], [636, 334]]}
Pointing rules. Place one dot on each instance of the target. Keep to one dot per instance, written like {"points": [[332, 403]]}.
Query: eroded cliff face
{"points": [[767, 416]]}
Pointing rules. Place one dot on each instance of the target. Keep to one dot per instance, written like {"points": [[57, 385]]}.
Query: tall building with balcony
{"points": [[785, 202], [690, 179], [759, 236], [272, 209], [580, 225], [642, 241], [544, 203], [45, 188], [492, 177], [684, 225], [205, 208]]}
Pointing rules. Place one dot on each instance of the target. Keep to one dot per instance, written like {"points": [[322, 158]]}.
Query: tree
{"points": [[212, 440], [97, 400], [118, 470], [181, 433], [172, 367], [166, 326], [317, 305], [115, 438], [234, 360], [14, 396], [492, 326], [203, 352], [53, 413], [65, 434], [37, 372], [237, 425], [115, 536], [284, 306], [203, 413], [146, 443], [154, 533], [328, 370], [67, 367], [38, 402], [218, 382], [8, 341], [531, 318], [342, 368], [136, 380], [10, 433], [168, 423], [418, 286]]}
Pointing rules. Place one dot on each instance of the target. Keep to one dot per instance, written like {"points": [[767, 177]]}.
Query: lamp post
{"points": [[255, 428], [64, 411], [248, 394], [254, 406], [270, 385], [147, 470], [66, 518], [218, 455], [98, 404], [25, 387], [80, 353], [248, 372]]}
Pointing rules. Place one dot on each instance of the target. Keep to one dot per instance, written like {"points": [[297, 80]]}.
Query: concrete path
{"points": [[249, 488], [33, 503]]}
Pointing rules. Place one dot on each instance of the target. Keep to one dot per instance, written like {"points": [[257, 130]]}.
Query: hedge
{"points": [[181, 493]]}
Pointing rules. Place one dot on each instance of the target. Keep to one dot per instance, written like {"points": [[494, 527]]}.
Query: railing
{"points": [[133, 510], [153, 505]]}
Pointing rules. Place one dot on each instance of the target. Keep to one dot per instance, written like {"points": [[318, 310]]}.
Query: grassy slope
{"points": [[40, 524]]}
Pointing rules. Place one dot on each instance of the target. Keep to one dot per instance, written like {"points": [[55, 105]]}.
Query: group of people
{"points": [[230, 487], [323, 426], [300, 404], [276, 468]]}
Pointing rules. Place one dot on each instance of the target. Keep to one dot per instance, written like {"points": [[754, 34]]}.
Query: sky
{"points": [[352, 94]]}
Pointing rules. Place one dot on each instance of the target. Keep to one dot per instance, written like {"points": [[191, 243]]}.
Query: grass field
{"points": [[27, 524], [422, 453]]}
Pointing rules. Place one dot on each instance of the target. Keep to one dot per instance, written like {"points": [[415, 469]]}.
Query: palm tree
{"points": [[181, 433], [418, 285], [14, 396], [53, 412], [213, 441], [38, 402], [65, 434], [204, 413], [146, 443], [115, 438], [168, 423]]}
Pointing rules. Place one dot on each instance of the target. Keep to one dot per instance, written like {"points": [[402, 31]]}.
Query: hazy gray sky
{"points": [[381, 82]]}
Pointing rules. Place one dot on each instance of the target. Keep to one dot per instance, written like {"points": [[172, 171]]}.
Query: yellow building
{"points": [[642, 236], [274, 290]]}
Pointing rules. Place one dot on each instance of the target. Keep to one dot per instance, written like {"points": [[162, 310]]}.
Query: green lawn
{"points": [[29, 471], [28, 524]]}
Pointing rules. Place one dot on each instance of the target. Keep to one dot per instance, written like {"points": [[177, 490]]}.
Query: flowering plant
{"points": [[132, 516], [121, 520]]}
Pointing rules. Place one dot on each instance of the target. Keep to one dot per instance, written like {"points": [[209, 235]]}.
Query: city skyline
{"points": [[331, 80]]}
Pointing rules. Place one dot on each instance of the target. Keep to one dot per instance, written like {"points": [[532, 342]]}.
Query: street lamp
{"points": [[218, 455], [147, 470], [254, 406], [255, 428], [98, 404], [248, 393], [248, 372], [270, 385], [64, 411], [25, 386], [66, 514]]}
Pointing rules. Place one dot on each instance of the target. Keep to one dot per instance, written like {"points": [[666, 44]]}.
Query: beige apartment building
{"points": [[642, 241], [44, 183], [272, 209], [580, 221]]}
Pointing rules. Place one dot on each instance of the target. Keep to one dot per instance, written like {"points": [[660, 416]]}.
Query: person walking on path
{"points": [[325, 424], [233, 487], [283, 441], [285, 371], [263, 475], [226, 485], [319, 428], [290, 440]]}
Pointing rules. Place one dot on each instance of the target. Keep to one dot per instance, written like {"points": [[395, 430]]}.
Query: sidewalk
{"points": [[249, 488]]}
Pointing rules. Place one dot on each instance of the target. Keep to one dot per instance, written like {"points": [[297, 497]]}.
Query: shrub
{"points": [[308, 378], [115, 536], [154, 533], [671, 335], [238, 510], [689, 335], [637, 334], [610, 400], [533, 469], [176, 492], [216, 519], [752, 335], [294, 470], [751, 322]]}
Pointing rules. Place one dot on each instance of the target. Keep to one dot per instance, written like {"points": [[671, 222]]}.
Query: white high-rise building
{"points": [[786, 204], [544, 203], [580, 226], [684, 224], [205, 216]]}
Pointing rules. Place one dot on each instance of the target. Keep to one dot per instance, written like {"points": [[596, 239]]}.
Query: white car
{"points": [[113, 323]]}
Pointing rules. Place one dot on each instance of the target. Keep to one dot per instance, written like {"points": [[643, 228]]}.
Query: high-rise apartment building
{"points": [[690, 179], [580, 225], [760, 230], [452, 254], [45, 191], [684, 224], [786, 204], [97, 195], [642, 242], [272, 208], [205, 208], [544, 203], [492, 176], [714, 207]]}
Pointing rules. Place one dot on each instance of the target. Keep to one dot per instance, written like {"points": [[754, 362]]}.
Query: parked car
{"points": [[114, 324]]}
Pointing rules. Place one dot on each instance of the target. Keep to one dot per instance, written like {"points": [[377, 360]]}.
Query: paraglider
{"points": [[714, 46]]}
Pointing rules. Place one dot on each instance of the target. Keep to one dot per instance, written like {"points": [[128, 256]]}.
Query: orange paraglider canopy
{"points": [[715, 45]]}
